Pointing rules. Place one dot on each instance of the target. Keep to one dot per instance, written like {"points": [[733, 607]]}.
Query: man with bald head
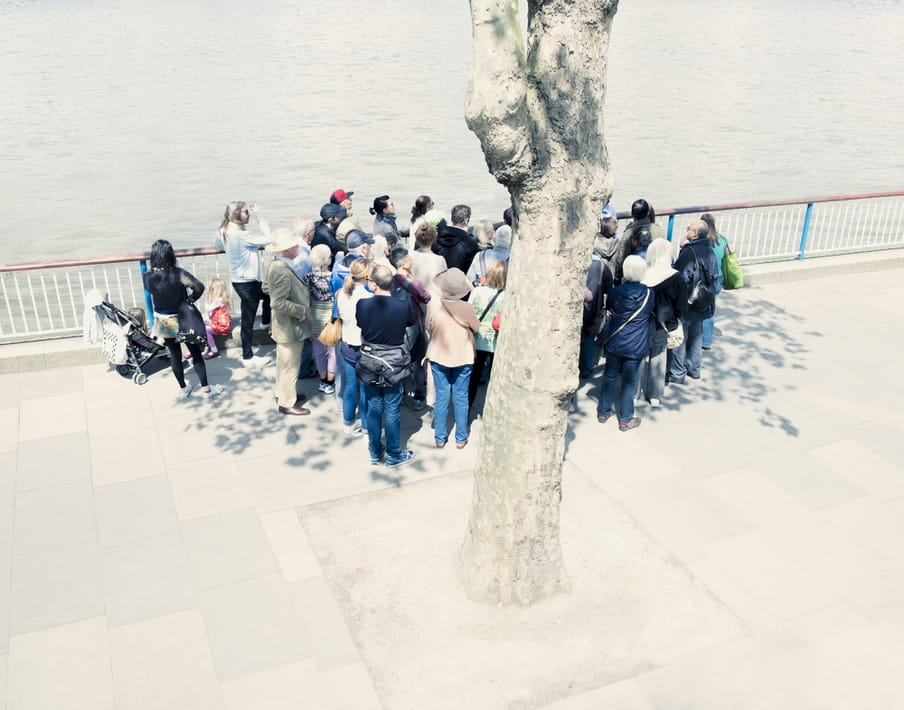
{"points": [[697, 265]]}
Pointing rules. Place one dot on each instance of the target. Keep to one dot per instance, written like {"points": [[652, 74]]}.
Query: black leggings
{"points": [[175, 356]]}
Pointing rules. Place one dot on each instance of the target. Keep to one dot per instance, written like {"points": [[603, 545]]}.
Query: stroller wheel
{"points": [[124, 370], [139, 378]]}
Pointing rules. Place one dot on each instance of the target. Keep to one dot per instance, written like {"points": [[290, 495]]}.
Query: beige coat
{"points": [[290, 299], [451, 325]]}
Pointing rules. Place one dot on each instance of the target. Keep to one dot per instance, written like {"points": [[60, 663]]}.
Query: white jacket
{"points": [[241, 248]]}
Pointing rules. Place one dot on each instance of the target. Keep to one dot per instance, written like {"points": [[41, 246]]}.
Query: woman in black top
{"points": [[170, 286]]}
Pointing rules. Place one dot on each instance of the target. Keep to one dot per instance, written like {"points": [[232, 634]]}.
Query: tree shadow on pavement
{"points": [[758, 351]]}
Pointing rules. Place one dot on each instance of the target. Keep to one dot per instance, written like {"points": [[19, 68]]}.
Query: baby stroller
{"points": [[125, 344]]}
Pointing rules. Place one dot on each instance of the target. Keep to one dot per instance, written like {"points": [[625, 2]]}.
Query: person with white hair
{"points": [[626, 341], [670, 299], [483, 260]]}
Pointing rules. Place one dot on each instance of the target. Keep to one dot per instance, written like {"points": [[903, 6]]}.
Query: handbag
{"points": [[675, 337], [192, 330], [331, 333], [497, 319], [703, 292], [732, 274]]}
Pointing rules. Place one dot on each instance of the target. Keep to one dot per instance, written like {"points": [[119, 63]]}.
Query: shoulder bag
{"points": [[191, 324], [732, 275], [331, 333]]}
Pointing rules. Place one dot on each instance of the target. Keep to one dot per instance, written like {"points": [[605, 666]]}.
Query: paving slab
{"points": [[389, 557], [739, 549]]}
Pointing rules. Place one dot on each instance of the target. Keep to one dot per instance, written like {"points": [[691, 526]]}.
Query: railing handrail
{"points": [[767, 203], [209, 251], [94, 261]]}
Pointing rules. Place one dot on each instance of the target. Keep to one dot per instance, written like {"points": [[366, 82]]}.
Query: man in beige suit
{"points": [[290, 324]]}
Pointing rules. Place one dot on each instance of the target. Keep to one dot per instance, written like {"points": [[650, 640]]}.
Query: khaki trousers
{"points": [[288, 361]]}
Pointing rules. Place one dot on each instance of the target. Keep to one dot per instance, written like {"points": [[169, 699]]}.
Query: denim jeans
{"points": [[450, 381], [626, 367], [251, 295], [687, 358], [710, 323], [384, 412], [588, 356], [352, 395]]}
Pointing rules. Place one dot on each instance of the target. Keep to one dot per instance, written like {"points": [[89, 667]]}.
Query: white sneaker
{"points": [[655, 403], [353, 430], [329, 388], [256, 361]]}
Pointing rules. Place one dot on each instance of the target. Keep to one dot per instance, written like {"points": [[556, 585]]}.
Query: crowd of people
{"points": [[380, 313]]}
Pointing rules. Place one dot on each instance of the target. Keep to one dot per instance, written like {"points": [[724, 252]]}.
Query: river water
{"points": [[127, 120]]}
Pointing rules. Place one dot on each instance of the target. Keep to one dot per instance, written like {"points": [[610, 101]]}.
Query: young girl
{"points": [[216, 310], [318, 282]]}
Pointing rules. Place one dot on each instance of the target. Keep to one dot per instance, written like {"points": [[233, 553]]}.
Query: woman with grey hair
{"points": [[626, 341]]}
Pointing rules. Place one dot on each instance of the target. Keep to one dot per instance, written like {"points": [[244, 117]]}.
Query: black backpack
{"points": [[703, 291]]}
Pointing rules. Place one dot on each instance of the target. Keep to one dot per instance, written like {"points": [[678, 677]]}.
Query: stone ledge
{"points": [[820, 267], [70, 352]]}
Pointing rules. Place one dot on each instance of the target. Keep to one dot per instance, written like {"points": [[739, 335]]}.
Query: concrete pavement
{"points": [[214, 554]]}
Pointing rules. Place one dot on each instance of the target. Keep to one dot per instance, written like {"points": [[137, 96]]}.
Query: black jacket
{"points": [[686, 265], [324, 235], [170, 287], [456, 246]]}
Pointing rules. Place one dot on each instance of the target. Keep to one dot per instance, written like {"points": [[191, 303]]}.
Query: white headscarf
{"points": [[659, 262]]}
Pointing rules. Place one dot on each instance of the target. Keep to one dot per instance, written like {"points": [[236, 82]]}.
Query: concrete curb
{"points": [[67, 352]]}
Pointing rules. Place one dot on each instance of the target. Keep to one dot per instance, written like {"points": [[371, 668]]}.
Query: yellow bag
{"points": [[331, 333]]}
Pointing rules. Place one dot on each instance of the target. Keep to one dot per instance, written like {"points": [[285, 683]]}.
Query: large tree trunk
{"points": [[539, 118]]}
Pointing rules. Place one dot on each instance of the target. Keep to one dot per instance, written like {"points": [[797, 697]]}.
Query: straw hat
{"points": [[282, 239]]}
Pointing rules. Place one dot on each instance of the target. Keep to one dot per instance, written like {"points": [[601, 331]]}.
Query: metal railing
{"points": [[42, 300]]}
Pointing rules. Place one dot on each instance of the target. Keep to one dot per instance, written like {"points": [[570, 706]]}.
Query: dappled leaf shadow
{"points": [[755, 338]]}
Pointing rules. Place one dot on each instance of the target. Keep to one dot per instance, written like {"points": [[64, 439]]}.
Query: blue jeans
{"points": [[626, 367], [352, 395], [452, 380], [384, 413], [587, 358], [687, 358], [710, 323]]}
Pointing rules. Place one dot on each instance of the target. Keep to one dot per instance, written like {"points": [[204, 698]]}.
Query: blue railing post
{"points": [[806, 230], [668, 235], [148, 302]]}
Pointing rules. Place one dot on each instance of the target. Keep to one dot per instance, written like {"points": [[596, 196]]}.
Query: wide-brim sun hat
{"points": [[452, 284], [282, 239]]}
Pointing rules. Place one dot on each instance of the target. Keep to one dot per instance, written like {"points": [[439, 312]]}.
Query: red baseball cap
{"points": [[340, 196]]}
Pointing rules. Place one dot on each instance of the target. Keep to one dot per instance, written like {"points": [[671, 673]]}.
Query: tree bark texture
{"points": [[538, 112]]}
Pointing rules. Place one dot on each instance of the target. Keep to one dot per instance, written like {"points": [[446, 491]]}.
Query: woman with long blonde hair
{"points": [[241, 246], [353, 290]]}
